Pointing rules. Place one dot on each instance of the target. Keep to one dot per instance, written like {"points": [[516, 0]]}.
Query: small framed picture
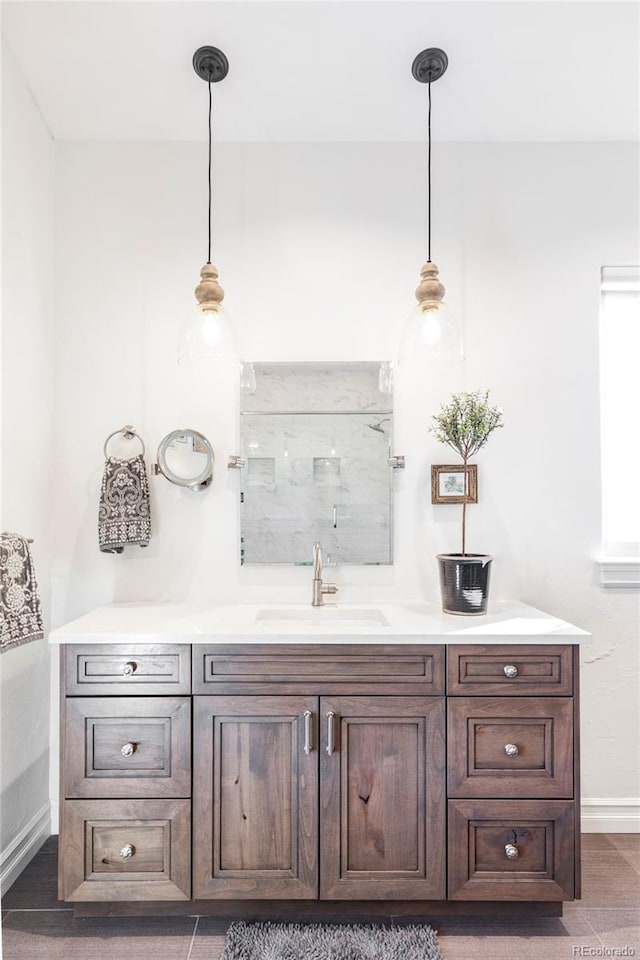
{"points": [[448, 483]]}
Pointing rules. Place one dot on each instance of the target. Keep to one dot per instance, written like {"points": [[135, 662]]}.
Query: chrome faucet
{"points": [[319, 588]]}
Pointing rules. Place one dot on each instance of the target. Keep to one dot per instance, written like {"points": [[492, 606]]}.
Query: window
{"points": [[620, 423]]}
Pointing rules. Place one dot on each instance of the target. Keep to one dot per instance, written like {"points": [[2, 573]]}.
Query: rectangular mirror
{"points": [[316, 440]]}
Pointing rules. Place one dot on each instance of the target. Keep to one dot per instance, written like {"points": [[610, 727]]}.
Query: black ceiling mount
{"points": [[429, 65], [210, 64]]}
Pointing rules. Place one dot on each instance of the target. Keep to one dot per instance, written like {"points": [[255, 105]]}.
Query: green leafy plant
{"points": [[465, 424]]}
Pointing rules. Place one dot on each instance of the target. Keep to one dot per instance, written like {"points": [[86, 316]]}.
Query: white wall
{"points": [[27, 445], [541, 228], [319, 249]]}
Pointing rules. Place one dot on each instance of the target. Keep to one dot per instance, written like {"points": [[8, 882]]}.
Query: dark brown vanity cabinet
{"points": [[321, 773]]}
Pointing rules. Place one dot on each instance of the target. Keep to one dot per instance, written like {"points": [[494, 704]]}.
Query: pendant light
{"points": [[208, 331], [430, 329]]}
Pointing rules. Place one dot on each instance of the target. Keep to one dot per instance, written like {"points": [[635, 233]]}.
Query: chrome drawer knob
{"points": [[510, 749], [128, 749], [129, 668], [511, 851], [127, 851], [510, 671]]}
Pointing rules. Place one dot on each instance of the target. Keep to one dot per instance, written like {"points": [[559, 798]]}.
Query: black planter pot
{"points": [[464, 583]]}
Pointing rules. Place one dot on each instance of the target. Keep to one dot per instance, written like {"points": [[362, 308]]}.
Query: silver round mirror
{"points": [[186, 457]]}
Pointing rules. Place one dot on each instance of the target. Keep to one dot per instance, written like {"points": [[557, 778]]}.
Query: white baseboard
{"points": [[610, 815], [55, 817], [23, 848]]}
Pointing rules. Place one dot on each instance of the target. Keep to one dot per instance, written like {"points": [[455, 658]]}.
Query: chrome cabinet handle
{"points": [[510, 671], [129, 668], [511, 750], [511, 851], [308, 747], [331, 741], [128, 749], [127, 851]]}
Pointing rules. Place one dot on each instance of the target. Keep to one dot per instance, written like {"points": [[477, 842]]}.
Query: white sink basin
{"points": [[329, 616]]}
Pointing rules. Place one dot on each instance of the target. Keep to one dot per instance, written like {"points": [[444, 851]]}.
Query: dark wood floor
{"points": [[36, 926]]}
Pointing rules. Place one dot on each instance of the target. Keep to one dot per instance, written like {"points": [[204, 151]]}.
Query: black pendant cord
{"points": [[429, 177], [210, 106]]}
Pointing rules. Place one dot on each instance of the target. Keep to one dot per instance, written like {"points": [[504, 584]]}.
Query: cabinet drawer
{"points": [[128, 747], [318, 669], [510, 670], [127, 669], [510, 747], [126, 850], [511, 849]]}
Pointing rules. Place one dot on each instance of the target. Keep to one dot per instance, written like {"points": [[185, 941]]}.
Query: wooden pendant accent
{"points": [[430, 292], [209, 293]]}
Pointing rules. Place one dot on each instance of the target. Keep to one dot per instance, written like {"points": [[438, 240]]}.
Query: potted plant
{"points": [[465, 424]]}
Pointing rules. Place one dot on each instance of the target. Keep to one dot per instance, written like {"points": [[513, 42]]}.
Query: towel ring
{"points": [[128, 433]]}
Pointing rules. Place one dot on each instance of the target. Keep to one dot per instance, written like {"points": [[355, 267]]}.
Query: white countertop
{"points": [[299, 623]]}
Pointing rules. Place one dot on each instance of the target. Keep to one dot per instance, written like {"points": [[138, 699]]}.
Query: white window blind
{"points": [[620, 410]]}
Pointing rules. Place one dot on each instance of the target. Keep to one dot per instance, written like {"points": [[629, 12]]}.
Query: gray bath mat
{"points": [[320, 941]]}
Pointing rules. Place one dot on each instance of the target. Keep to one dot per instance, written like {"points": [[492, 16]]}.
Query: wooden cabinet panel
{"points": [[489, 670], [128, 747], [510, 746], [137, 669], [511, 850], [126, 850], [317, 669], [256, 797], [382, 820]]}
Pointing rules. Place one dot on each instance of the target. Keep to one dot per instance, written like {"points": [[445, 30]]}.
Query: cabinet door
{"points": [[382, 817], [255, 797]]}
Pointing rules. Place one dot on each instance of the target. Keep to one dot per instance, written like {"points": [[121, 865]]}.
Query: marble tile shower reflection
{"points": [[316, 440]]}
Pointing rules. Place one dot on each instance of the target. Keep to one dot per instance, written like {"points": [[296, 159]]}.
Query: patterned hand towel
{"points": [[124, 515], [20, 612]]}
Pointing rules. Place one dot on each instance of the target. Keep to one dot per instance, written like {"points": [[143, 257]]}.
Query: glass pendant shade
{"points": [[207, 332], [430, 329], [429, 332]]}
